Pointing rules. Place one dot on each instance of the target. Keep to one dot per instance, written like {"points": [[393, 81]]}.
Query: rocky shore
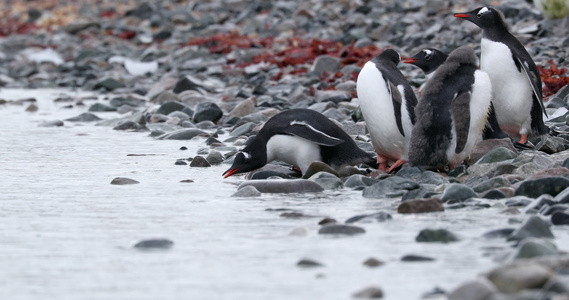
{"points": [[213, 72]]}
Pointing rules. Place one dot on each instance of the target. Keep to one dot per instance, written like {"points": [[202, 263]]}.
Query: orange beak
{"points": [[410, 60], [229, 172], [461, 15]]}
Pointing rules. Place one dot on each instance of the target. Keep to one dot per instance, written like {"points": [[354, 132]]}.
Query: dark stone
{"points": [[207, 111], [123, 181], [265, 174], [499, 233], [180, 162], [181, 134], [492, 183], [390, 187], [420, 206], [327, 221], [316, 167], [547, 185], [56, 123], [308, 263], [562, 197], [457, 193], [120, 101], [369, 293], [154, 244], [109, 84], [84, 117], [533, 226], [199, 162], [341, 229], [416, 258], [376, 217], [100, 107], [170, 106], [128, 125], [373, 262], [560, 218], [284, 186], [494, 195], [358, 182], [436, 236]]}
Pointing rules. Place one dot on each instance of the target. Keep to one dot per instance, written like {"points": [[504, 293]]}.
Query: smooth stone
{"points": [[243, 129], [181, 134], [499, 233], [562, 197], [346, 171], [326, 63], [436, 236], [520, 275], [518, 201], [373, 262], [214, 157], [425, 191], [169, 107], [420, 206], [485, 146], [497, 154], [109, 84], [100, 107], [180, 162], [308, 263], [494, 195], [264, 174], [120, 101], [457, 193], [358, 182], [371, 292], [154, 244], [84, 117], [534, 247], [248, 191], [533, 226], [341, 229], [128, 125], [477, 289], [284, 186], [327, 181], [416, 258], [199, 162], [123, 181], [560, 218], [370, 218], [547, 185], [492, 183], [55, 123], [389, 188], [327, 221], [317, 167], [551, 144], [244, 108], [332, 96], [207, 111]]}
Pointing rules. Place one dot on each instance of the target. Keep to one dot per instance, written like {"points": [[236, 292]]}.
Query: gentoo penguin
{"points": [[451, 113], [428, 60], [387, 102], [517, 93], [299, 137]]}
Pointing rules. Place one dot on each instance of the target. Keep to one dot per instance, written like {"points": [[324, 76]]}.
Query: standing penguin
{"points": [[387, 102], [428, 60], [299, 137], [517, 94], [452, 112]]}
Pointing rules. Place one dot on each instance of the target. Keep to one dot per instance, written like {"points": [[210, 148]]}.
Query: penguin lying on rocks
{"points": [[429, 60], [452, 112], [387, 102], [299, 137], [517, 93]]}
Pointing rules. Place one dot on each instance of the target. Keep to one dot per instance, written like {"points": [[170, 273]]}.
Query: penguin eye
{"points": [[428, 56], [479, 15]]}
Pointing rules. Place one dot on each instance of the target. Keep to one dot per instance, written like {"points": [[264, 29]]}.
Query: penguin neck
{"points": [[257, 148]]}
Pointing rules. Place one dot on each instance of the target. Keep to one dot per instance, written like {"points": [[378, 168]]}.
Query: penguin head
{"points": [[390, 55], [242, 163], [485, 17], [428, 59]]}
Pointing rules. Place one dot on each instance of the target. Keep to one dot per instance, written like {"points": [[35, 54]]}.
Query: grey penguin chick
{"points": [[452, 112]]}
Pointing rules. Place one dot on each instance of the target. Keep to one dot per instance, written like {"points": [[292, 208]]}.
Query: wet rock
{"points": [[416, 258], [332, 96], [327, 221], [390, 187], [181, 134], [457, 193], [560, 218], [207, 111], [370, 218], [436, 236], [214, 157], [170, 106], [84, 117], [123, 181], [244, 108], [518, 276], [32, 108], [537, 187], [492, 183], [109, 84], [358, 182], [55, 123], [533, 226], [497, 154], [420, 206], [199, 162], [128, 125], [248, 191], [284, 186], [154, 244], [340, 229], [317, 167], [562, 197], [326, 63], [180, 162], [478, 289], [373, 262], [243, 129], [551, 144], [100, 107], [499, 233], [486, 146], [534, 247], [494, 195], [265, 174], [326, 180], [309, 263], [371, 292]]}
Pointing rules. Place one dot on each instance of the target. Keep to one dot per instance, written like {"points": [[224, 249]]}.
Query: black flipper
{"points": [[460, 111], [534, 81], [397, 100], [305, 131]]}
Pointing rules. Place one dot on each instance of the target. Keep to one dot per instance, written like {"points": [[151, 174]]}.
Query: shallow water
{"points": [[67, 233]]}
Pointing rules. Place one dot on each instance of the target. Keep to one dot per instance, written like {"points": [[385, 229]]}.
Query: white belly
{"points": [[293, 150], [378, 111], [512, 93]]}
